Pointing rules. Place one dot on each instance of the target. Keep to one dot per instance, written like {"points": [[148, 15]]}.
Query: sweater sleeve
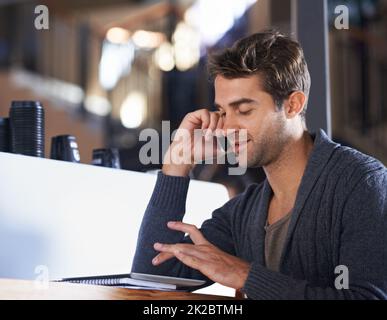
{"points": [[363, 250], [168, 204]]}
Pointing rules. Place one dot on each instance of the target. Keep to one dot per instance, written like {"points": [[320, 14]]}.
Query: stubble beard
{"points": [[268, 149]]}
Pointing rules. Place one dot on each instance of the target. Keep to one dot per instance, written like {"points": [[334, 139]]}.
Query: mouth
{"points": [[238, 146]]}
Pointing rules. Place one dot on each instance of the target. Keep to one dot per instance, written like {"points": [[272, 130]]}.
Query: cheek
{"points": [[256, 124], [268, 120]]}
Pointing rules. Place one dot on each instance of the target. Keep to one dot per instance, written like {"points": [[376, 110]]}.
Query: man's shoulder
{"points": [[363, 185], [350, 168], [352, 165]]}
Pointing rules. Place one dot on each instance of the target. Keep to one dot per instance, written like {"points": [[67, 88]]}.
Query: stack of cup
{"points": [[27, 128], [4, 135]]}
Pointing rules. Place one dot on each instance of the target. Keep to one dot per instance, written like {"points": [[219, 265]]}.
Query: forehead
{"points": [[229, 89]]}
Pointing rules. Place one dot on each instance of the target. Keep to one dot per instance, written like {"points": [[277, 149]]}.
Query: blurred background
{"points": [[106, 69]]}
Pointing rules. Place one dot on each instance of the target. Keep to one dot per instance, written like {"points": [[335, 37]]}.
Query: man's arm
{"points": [[168, 204], [363, 250], [169, 197]]}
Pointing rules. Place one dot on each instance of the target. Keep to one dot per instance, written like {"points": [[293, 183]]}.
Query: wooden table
{"points": [[31, 290]]}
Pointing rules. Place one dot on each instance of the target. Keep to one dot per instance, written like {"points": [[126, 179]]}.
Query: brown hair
{"points": [[276, 58]]}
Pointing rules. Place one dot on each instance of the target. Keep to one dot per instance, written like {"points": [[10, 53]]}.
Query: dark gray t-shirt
{"points": [[275, 240]]}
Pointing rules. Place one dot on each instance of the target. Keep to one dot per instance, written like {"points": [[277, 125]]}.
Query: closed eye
{"points": [[245, 113]]}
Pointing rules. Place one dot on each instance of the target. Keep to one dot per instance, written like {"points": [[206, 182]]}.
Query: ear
{"points": [[294, 104]]}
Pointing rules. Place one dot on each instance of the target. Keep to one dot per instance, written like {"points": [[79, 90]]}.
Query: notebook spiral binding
{"points": [[100, 282]]}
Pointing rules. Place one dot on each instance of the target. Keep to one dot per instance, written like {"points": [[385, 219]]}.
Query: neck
{"points": [[285, 173]]}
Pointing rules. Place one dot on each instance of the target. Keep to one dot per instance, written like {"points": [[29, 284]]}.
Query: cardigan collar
{"points": [[322, 151]]}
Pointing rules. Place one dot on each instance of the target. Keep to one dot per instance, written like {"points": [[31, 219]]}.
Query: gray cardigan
{"points": [[339, 218]]}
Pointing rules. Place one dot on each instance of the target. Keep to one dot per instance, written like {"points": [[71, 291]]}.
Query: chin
{"points": [[243, 161], [255, 162]]}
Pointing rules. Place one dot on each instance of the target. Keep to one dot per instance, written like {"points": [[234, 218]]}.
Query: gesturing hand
{"points": [[215, 264]]}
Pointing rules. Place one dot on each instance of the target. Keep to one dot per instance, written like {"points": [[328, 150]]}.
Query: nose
{"points": [[230, 122]]}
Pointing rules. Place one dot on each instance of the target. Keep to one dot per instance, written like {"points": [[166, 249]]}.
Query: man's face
{"points": [[244, 105]]}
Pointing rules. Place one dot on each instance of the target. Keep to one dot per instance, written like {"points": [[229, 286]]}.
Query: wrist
{"points": [[173, 165], [176, 170], [243, 275]]}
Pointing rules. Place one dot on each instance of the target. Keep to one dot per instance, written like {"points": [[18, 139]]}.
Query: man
{"points": [[320, 216]]}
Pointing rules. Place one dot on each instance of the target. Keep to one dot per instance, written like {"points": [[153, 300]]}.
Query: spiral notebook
{"points": [[137, 280]]}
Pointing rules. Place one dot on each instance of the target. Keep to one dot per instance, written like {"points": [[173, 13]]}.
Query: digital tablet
{"points": [[180, 282]]}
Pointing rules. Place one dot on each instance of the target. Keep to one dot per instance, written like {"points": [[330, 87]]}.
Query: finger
{"points": [[198, 251], [219, 127], [221, 135], [195, 251], [204, 116], [199, 119], [214, 119], [194, 233], [161, 258], [181, 134], [172, 248]]}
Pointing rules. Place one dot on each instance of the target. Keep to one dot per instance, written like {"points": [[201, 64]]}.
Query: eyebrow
{"points": [[237, 103]]}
